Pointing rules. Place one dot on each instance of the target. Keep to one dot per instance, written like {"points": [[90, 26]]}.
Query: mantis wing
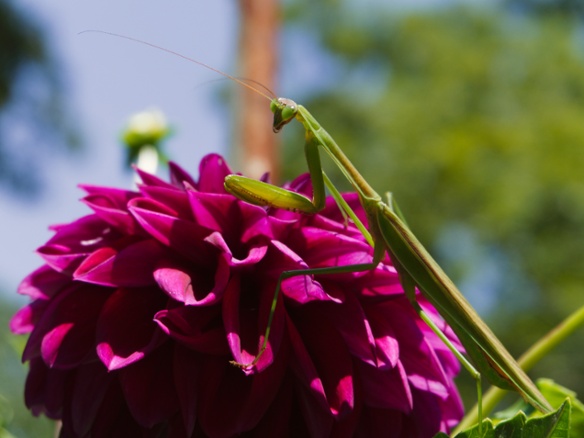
{"points": [[488, 354]]}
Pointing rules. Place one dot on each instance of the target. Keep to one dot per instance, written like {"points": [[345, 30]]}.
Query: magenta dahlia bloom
{"points": [[141, 305]]}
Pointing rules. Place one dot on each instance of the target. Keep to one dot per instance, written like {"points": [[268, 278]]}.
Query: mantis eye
{"points": [[288, 112]]}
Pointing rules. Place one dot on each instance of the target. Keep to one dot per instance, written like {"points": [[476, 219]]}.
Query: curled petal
{"points": [[196, 327], [126, 331], [334, 364], [73, 242], [128, 267], [179, 177], [386, 389], [175, 201], [383, 282], [419, 359], [219, 212], [246, 326], [185, 237], [64, 336], [324, 249], [350, 320], [23, 320], [111, 205], [193, 287], [301, 288], [150, 180], [212, 172], [43, 283]]}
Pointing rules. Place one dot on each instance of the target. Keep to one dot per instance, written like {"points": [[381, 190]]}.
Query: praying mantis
{"points": [[387, 232]]}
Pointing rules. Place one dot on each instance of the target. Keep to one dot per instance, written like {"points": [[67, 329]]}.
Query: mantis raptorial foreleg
{"points": [[388, 232]]}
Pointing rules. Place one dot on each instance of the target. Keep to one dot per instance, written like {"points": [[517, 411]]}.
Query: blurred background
{"points": [[470, 112]]}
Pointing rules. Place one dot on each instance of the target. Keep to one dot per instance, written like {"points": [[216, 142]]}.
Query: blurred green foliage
{"points": [[33, 115], [565, 8], [474, 119], [33, 121], [14, 417]]}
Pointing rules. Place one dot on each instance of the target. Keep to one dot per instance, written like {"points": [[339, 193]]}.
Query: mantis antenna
{"points": [[239, 81]]}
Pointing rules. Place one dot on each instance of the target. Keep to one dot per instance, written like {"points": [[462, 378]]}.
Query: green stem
{"points": [[537, 351]]}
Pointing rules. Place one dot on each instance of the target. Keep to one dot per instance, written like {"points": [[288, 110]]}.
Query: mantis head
{"points": [[284, 111]]}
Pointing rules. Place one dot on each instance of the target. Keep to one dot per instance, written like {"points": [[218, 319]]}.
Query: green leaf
{"points": [[553, 425], [556, 394], [513, 427]]}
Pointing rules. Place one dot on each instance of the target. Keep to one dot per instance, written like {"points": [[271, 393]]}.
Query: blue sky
{"points": [[108, 79]]}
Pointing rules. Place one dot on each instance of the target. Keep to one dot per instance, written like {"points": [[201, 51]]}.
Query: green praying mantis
{"points": [[387, 232]]}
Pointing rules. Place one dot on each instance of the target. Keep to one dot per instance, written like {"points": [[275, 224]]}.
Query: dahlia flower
{"points": [[142, 305]]}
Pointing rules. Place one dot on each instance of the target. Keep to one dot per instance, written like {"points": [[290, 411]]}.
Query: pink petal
{"points": [[251, 256], [331, 358], [187, 379], [185, 237], [44, 390], [193, 287], [128, 267], [73, 242], [195, 327], [323, 249], [43, 283], [175, 201], [350, 320], [87, 394], [305, 369], [234, 403], [64, 336], [214, 211], [386, 388], [113, 418], [383, 281], [235, 220], [110, 205], [126, 331], [421, 364], [22, 321], [148, 388], [387, 346], [149, 180], [299, 288], [27, 318], [245, 326], [179, 177], [212, 172]]}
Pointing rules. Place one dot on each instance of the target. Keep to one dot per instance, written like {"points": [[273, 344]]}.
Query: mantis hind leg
{"points": [[475, 374], [409, 287], [289, 274]]}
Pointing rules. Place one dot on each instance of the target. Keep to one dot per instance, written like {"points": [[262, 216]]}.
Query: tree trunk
{"points": [[258, 45]]}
